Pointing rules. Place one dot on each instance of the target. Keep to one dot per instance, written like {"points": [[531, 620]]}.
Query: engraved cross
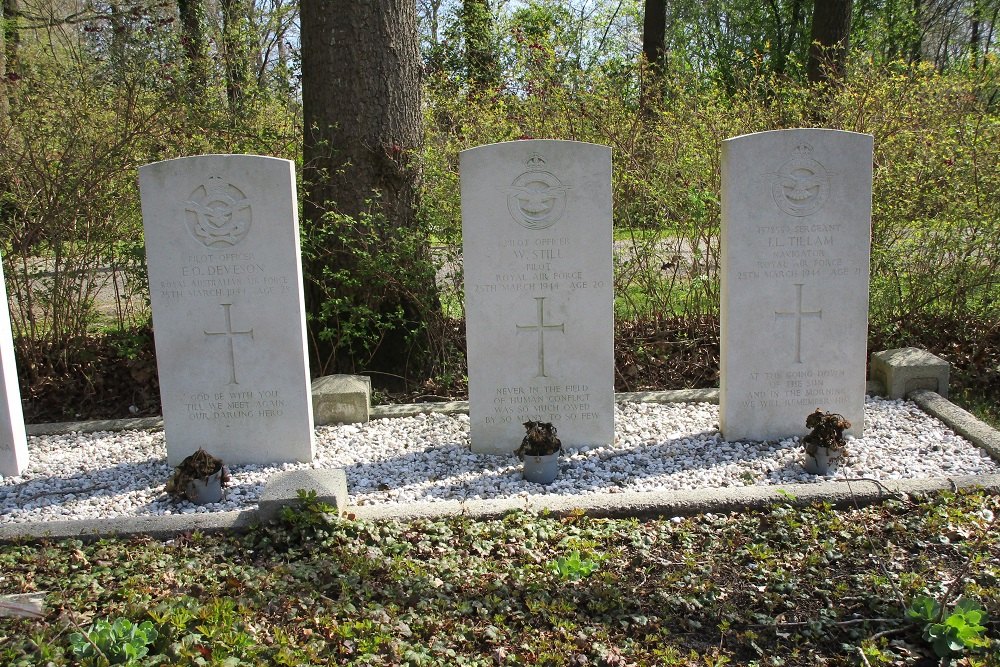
{"points": [[798, 315], [541, 328], [229, 333]]}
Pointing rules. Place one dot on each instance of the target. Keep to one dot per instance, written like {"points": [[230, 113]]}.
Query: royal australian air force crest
{"points": [[218, 214], [536, 199], [801, 185]]}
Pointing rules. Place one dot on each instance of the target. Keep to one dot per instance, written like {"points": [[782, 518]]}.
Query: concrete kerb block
{"points": [[282, 490], [341, 399], [908, 369]]}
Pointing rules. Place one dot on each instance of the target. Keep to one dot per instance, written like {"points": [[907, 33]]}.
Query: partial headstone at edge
{"points": [[536, 226], [796, 238], [13, 441], [225, 279]]}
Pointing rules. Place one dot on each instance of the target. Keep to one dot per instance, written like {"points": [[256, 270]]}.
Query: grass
{"points": [[978, 404], [782, 586]]}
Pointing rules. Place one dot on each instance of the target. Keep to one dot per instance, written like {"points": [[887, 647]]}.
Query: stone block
{"points": [[341, 399], [283, 488], [907, 369]]}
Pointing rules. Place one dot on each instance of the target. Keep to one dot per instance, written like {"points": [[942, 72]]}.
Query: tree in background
{"points": [[654, 34], [479, 32], [195, 44], [831, 32], [654, 44], [237, 54], [370, 289]]}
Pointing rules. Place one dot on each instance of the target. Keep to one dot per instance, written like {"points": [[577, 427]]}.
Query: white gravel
{"points": [[427, 458]]}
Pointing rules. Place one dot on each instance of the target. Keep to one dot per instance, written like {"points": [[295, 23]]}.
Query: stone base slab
{"points": [[907, 369]]}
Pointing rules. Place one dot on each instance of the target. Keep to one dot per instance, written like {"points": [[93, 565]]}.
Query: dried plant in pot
{"points": [[539, 452], [200, 478], [826, 445]]}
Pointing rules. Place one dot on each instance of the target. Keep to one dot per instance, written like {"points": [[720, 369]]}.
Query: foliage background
{"points": [[89, 96]]}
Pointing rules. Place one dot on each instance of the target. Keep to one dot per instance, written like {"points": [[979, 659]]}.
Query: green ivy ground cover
{"points": [[785, 586]]}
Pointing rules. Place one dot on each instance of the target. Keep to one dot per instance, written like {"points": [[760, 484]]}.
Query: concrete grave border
{"points": [[331, 485]]}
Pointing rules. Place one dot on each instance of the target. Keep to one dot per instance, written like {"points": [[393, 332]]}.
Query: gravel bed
{"points": [[427, 458]]}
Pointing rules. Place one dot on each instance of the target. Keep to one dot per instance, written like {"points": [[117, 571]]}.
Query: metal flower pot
{"points": [[541, 469], [824, 462], [207, 489]]}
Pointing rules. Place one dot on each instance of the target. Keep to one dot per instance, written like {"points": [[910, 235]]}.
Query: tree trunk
{"points": [[368, 287], [916, 47], [654, 49], [974, 37], [4, 99], [831, 29], [654, 34], [237, 53], [11, 37], [192, 16], [786, 41], [481, 60]]}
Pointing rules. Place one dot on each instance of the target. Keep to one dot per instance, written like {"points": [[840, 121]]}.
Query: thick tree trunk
{"points": [[237, 53], [361, 107], [831, 29], [195, 43]]}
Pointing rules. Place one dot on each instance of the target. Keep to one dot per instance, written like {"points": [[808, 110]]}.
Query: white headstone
{"points": [[13, 442], [225, 281], [796, 239], [536, 227]]}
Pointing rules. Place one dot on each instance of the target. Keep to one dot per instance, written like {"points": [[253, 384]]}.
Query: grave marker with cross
{"points": [[539, 302], [221, 233], [793, 280]]}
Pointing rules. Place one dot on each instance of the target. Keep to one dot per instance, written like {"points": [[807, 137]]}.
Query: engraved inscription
{"points": [[803, 387], [229, 333], [799, 314], [218, 214], [801, 186], [552, 403], [541, 328], [235, 405], [536, 199]]}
